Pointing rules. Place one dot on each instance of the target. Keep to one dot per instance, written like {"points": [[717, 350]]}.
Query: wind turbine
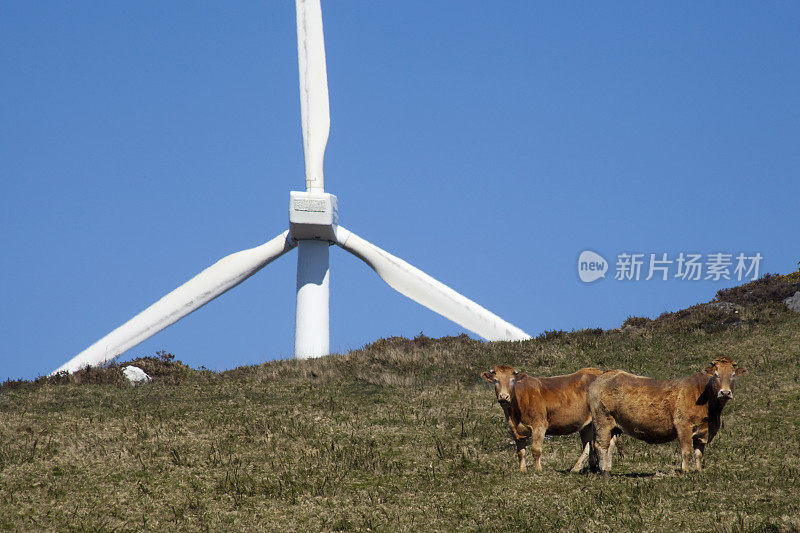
{"points": [[313, 228]]}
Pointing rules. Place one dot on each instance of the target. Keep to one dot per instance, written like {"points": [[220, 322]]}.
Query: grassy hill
{"points": [[403, 434]]}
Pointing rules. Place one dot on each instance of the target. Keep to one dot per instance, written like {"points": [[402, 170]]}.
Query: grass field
{"points": [[401, 435]]}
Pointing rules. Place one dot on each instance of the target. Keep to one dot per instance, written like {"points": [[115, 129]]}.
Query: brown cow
{"points": [[688, 409], [535, 407]]}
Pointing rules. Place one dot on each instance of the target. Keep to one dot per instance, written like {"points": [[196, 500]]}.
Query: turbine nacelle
{"points": [[313, 216]]}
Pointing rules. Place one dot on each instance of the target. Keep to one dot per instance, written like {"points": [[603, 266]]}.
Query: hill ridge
{"points": [[401, 434]]}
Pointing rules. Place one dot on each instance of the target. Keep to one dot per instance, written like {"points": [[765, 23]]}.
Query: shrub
{"points": [[586, 333], [551, 335], [162, 367], [701, 316], [637, 322], [793, 278], [768, 288], [420, 341], [98, 375]]}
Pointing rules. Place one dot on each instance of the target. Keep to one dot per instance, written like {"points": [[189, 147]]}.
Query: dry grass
{"points": [[401, 435]]}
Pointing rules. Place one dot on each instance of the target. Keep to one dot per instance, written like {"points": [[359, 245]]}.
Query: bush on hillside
{"points": [[768, 288], [420, 341], [701, 316], [551, 335], [109, 375], [794, 278], [637, 322], [725, 309], [588, 332], [163, 367]]}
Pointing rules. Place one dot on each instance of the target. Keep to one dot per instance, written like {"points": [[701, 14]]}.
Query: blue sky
{"points": [[488, 146]]}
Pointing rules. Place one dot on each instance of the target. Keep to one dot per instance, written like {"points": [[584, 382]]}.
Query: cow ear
{"points": [[741, 371], [709, 369], [487, 376]]}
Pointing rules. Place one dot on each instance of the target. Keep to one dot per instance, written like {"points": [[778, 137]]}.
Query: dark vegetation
{"points": [[731, 307], [404, 435], [769, 288]]}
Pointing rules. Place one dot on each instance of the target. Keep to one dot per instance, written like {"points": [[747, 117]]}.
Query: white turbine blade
{"points": [[313, 89], [195, 293], [423, 289]]}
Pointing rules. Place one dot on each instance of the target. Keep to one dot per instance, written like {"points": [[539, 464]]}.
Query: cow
{"points": [[656, 411], [535, 407]]}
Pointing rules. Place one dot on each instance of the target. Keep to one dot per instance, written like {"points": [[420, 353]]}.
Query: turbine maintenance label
{"points": [[310, 205]]}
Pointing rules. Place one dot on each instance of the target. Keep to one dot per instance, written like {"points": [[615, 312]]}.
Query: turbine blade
{"points": [[195, 293], [423, 289], [314, 107]]}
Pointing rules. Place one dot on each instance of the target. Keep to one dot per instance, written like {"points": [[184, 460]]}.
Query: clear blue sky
{"points": [[486, 144]]}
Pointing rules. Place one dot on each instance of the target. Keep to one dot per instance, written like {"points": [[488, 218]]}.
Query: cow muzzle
{"points": [[726, 394], [504, 399]]}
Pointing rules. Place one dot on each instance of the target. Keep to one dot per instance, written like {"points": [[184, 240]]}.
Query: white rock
{"points": [[135, 375], [793, 302]]}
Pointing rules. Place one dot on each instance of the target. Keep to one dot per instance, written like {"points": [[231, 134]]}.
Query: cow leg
{"points": [[605, 428], [521, 454], [604, 436], [587, 433], [612, 446], [685, 441], [699, 448], [512, 423], [594, 457], [537, 438]]}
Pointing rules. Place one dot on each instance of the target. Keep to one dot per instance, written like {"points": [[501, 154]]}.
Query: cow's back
{"points": [[562, 401], [643, 407]]}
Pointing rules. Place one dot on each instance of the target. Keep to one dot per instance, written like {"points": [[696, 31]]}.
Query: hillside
{"points": [[403, 434]]}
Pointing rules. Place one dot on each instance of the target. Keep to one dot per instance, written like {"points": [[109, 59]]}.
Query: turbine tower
{"points": [[313, 228]]}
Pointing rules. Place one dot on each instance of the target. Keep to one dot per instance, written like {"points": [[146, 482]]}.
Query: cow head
{"points": [[724, 371], [503, 377]]}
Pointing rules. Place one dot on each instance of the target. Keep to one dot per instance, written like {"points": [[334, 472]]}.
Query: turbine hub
{"points": [[313, 216]]}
